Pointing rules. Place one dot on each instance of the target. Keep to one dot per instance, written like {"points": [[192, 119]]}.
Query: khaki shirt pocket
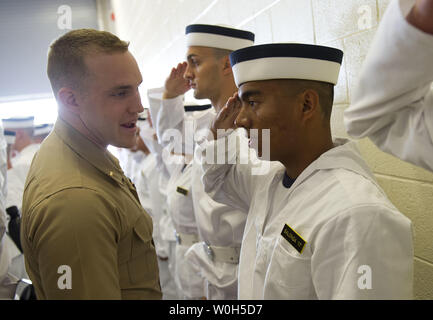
{"points": [[143, 266]]}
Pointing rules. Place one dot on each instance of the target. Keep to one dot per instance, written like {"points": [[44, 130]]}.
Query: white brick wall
{"points": [[156, 27]]}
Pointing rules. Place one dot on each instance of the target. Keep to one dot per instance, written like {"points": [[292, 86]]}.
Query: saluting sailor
{"points": [[393, 103], [321, 227], [208, 72]]}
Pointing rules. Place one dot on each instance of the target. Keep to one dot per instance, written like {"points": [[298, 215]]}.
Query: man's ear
{"points": [[227, 67], [69, 99], [310, 103]]}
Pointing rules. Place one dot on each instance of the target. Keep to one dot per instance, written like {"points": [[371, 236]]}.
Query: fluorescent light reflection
{"points": [[44, 110]]}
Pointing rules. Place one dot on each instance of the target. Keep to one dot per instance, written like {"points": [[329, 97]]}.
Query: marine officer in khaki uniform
{"points": [[84, 233]]}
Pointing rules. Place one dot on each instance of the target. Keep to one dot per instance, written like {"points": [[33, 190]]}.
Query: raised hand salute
{"points": [[176, 84], [227, 115]]}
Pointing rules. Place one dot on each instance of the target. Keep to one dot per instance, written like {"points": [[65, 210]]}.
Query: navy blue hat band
{"points": [[294, 50], [219, 30]]}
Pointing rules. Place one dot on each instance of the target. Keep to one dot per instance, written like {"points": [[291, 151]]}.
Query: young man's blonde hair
{"points": [[66, 66]]}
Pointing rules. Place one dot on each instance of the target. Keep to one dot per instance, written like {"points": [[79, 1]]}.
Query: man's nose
{"points": [[188, 75], [137, 106], [243, 120]]}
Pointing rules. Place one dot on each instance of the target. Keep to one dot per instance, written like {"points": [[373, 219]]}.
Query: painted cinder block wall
{"points": [[155, 29]]}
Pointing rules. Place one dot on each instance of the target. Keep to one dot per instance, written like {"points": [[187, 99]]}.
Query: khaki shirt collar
{"points": [[100, 158]]}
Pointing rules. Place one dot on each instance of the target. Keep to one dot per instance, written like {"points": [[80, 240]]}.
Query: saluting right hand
{"points": [[225, 119], [176, 84]]}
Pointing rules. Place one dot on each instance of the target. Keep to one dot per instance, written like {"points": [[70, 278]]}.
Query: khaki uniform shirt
{"points": [[83, 230]]}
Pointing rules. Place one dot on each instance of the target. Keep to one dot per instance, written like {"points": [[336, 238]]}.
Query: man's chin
{"points": [[198, 95], [124, 144]]}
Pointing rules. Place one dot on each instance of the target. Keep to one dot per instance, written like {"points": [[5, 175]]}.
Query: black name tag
{"points": [[182, 191], [294, 238]]}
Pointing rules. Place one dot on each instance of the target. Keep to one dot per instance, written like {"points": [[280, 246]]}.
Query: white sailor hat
{"points": [[43, 129], [205, 35], [18, 123], [9, 136], [286, 61]]}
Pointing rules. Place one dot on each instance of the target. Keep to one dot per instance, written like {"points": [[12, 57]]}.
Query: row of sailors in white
{"points": [[314, 234], [19, 141], [209, 233]]}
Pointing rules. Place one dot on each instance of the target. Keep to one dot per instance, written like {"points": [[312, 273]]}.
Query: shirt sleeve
{"points": [[157, 211], [364, 253], [230, 169], [166, 114], [75, 233], [393, 102]]}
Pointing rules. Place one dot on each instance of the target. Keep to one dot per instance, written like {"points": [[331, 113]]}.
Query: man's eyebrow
{"points": [[121, 87], [125, 86], [248, 93]]}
